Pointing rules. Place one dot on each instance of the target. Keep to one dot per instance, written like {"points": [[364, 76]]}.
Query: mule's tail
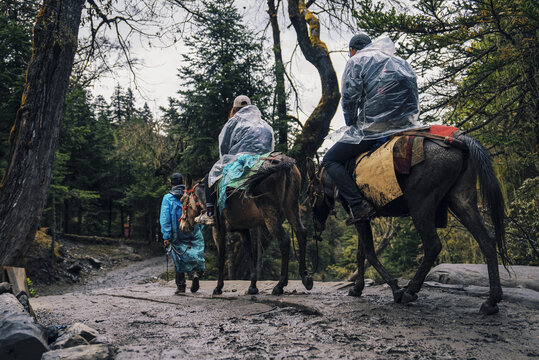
{"points": [[490, 191], [273, 165]]}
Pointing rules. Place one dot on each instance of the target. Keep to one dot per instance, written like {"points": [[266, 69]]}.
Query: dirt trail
{"points": [[147, 321]]}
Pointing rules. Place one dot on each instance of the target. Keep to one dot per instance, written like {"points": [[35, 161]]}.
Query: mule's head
{"points": [[321, 194], [193, 202]]}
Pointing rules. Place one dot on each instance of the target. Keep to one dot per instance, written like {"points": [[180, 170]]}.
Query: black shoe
{"points": [[363, 212], [195, 285], [180, 283]]}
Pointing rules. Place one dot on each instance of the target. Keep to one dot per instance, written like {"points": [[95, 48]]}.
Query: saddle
{"points": [[375, 171]]}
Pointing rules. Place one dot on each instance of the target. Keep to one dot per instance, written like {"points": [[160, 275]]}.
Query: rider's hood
{"points": [[177, 191], [382, 43]]}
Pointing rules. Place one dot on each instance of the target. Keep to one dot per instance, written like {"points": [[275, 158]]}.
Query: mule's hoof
{"points": [[308, 282], [356, 292], [488, 309], [397, 295], [217, 291], [252, 290], [408, 297], [277, 291]]}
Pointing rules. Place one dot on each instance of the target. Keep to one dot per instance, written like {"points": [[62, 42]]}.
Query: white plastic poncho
{"points": [[379, 94], [244, 133]]}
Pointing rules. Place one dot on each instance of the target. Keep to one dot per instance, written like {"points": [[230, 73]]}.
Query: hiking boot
{"points": [[205, 219], [195, 282], [180, 283], [364, 211]]}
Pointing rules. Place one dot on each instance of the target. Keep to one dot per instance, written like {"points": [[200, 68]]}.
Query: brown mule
{"points": [[445, 179], [271, 196]]}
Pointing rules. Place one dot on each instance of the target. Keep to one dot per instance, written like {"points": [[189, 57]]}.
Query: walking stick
{"points": [[166, 260]]}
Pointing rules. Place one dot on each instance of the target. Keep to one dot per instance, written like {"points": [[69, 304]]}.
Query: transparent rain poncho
{"points": [[244, 133], [379, 94]]}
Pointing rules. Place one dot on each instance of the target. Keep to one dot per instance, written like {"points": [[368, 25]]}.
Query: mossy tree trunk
{"points": [[34, 137], [315, 51]]}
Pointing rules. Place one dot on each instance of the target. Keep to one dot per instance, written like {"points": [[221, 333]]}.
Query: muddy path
{"points": [[145, 320]]}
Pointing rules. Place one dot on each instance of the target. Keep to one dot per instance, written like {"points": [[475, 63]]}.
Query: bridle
{"points": [[191, 196], [316, 194]]}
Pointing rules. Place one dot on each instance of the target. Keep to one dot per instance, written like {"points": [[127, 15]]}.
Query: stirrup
{"points": [[366, 214]]}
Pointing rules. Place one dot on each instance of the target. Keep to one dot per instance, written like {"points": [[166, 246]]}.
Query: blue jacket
{"points": [[190, 245]]}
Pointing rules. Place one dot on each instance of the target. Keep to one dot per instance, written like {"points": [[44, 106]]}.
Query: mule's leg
{"points": [[463, 203], [292, 214], [366, 243], [360, 281], [275, 227], [423, 217], [251, 247], [219, 236]]}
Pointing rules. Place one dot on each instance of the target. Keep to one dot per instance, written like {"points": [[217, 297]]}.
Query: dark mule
{"points": [[270, 196], [445, 179]]}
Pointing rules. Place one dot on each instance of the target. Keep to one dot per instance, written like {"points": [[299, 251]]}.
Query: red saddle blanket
{"points": [[408, 150]]}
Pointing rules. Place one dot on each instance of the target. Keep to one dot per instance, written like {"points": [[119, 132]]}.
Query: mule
{"points": [[271, 196], [446, 179]]}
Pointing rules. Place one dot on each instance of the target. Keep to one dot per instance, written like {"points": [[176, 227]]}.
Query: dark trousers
{"points": [[334, 162], [211, 195]]}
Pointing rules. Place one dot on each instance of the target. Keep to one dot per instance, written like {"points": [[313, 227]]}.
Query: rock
{"points": [[82, 352], [4, 287], [53, 332], [94, 262], [20, 336], [477, 274], [82, 330], [135, 257], [75, 268], [68, 340], [100, 339]]}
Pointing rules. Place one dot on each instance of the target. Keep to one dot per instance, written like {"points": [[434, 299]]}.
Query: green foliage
{"points": [[31, 289], [523, 229], [15, 49]]}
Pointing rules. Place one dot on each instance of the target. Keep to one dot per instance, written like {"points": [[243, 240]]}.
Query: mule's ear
{"points": [[188, 182], [311, 168]]}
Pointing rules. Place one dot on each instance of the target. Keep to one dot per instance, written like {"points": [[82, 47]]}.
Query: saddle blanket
{"points": [[375, 171], [237, 173]]}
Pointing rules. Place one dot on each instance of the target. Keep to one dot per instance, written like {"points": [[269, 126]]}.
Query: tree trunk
{"points": [[315, 51], [79, 220], [122, 222], [34, 137], [109, 232], [278, 71], [66, 216]]}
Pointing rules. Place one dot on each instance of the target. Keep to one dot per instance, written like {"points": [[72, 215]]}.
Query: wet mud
{"points": [[145, 320]]}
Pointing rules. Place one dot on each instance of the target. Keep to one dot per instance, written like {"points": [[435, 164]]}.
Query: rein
{"points": [[191, 194]]}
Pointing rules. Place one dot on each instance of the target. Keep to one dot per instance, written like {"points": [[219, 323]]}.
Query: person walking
{"points": [[187, 249]]}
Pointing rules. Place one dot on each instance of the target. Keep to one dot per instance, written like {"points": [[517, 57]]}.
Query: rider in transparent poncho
{"points": [[379, 98], [244, 133]]}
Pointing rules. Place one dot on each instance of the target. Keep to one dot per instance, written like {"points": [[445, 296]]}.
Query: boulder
{"points": [[20, 336], [75, 268], [94, 262], [5, 287], [82, 352], [82, 330], [476, 274], [68, 340]]}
